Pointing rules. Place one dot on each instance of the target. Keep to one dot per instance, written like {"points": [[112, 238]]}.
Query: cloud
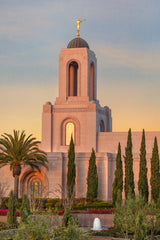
{"points": [[21, 20], [148, 61]]}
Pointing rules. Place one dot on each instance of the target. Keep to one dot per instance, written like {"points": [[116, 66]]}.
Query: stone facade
{"points": [[77, 111]]}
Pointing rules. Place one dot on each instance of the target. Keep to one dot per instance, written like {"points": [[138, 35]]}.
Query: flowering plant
{"points": [[3, 212]]}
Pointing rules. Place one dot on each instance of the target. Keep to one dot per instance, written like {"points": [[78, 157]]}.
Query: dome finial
{"points": [[77, 24]]}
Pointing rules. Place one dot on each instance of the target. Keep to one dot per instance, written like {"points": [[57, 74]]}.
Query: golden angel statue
{"points": [[77, 24]]}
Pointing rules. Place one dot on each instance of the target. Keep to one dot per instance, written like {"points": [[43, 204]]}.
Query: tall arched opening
{"points": [[92, 81], [73, 79], [69, 132]]}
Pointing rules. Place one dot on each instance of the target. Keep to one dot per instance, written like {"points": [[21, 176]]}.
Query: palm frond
{"points": [[17, 149]]}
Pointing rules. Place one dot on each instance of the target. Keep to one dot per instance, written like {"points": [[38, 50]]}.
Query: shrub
{"points": [[4, 204], [78, 206], [67, 218], [12, 214], [5, 226], [52, 200], [60, 211], [40, 228], [110, 232], [3, 212], [19, 203], [59, 205], [48, 205], [99, 205], [25, 208], [80, 200]]}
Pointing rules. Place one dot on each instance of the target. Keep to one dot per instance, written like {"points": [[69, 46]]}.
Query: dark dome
{"points": [[78, 43]]}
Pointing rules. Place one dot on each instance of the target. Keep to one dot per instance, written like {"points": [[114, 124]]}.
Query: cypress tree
{"points": [[118, 179], [25, 209], [92, 178], [12, 214], [71, 174], [154, 181], [143, 180], [129, 175]]}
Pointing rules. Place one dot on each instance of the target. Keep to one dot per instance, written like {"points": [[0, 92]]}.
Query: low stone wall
{"points": [[4, 219], [85, 219]]}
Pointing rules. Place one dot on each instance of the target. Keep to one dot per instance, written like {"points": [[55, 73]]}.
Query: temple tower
{"points": [[76, 110]]}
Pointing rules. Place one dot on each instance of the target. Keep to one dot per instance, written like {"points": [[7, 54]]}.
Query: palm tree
{"points": [[19, 150]]}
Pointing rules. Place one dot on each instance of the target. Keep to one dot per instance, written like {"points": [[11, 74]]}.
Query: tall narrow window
{"points": [[73, 79], [36, 188], [69, 132], [92, 81], [101, 126]]}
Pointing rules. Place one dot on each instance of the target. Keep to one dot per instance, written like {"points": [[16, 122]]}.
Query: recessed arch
{"points": [[70, 126], [28, 182], [69, 131], [92, 85], [73, 73], [101, 126], [36, 188]]}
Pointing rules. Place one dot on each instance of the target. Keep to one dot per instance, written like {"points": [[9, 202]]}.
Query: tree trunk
{"points": [[16, 173], [16, 184]]}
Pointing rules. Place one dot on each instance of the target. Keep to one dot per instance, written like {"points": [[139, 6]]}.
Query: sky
{"points": [[125, 36]]}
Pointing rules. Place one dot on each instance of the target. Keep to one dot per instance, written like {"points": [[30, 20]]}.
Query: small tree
{"points": [[25, 209], [143, 180], [129, 175], [12, 214], [124, 219], [140, 231], [92, 178], [155, 183], [71, 174], [67, 218], [118, 179]]}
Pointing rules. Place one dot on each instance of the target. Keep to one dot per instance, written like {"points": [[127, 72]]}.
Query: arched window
{"points": [[36, 188], [101, 126], [92, 81], [69, 132], [73, 79]]}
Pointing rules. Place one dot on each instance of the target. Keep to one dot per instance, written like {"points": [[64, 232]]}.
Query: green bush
{"points": [[12, 214], [80, 200], [25, 209], [19, 204], [97, 200], [78, 206], [5, 226], [110, 232], [4, 204], [59, 205], [51, 202], [83, 204], [67, 218], [99, 205], [49, 205], [40, 228]]}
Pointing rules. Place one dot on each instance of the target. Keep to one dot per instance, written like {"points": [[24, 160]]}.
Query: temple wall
{"points": [[108, 141]]}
